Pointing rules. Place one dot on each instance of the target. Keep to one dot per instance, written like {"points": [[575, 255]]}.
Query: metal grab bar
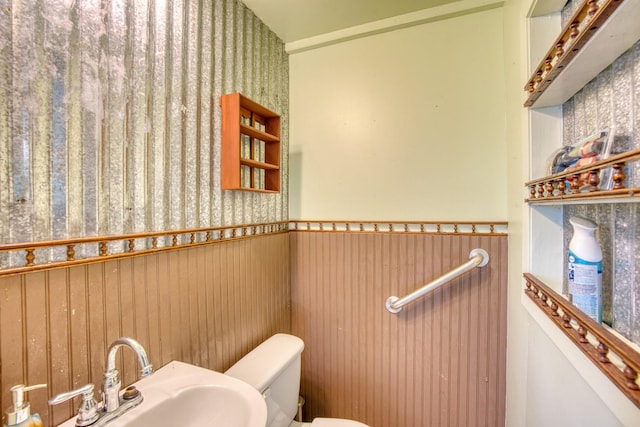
{"points": [[477, 258]]}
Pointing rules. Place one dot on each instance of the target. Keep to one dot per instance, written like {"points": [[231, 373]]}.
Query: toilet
{"points": [[274, 369]]}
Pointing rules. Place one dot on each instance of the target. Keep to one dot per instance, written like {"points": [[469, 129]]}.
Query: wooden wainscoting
{"points": [[207, 305], [441, 361]]}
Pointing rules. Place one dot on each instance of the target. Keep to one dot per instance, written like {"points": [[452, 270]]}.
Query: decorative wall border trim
{"points": [[484, 228], [16, 258], [615, 358]]}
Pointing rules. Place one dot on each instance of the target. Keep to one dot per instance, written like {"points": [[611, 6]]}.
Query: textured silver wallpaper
{"points": [[110, 116], [612, 99]]}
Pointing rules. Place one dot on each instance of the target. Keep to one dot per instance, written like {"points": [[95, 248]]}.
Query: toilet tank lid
{"points": [[265, 362]]}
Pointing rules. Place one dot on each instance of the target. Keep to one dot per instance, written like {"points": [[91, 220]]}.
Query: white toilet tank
{"points": [[274, 369]]}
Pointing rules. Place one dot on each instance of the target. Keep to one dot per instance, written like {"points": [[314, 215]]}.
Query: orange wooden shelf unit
{"points": [[250, 145]]}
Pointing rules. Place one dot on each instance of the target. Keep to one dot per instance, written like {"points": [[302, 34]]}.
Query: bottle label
{"points": [[585, 286]]}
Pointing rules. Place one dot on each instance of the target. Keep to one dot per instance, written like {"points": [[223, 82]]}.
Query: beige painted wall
{"points": [[404, 125]]}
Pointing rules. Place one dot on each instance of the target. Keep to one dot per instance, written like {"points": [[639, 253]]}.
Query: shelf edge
{"points": [[576, 69], [552, 303]]}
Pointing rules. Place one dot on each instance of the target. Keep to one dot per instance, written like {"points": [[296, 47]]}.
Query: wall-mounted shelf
{"points": [[250, 145], [612, 355], [584, 48], [553, 188]]}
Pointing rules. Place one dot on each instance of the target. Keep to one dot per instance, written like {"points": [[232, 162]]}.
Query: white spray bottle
{"points": [[585, 268]]}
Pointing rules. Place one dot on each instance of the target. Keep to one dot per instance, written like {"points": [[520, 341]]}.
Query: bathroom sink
{"points": [[180, 394]]}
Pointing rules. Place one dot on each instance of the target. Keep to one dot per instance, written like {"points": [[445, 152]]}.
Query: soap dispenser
{"points": [[19, 415]]}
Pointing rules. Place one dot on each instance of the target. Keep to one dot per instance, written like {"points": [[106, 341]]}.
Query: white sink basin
{"points": [[179, 394]]}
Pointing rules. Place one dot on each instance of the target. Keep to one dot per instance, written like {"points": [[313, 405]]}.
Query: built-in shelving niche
{"points": [[595, 35]]}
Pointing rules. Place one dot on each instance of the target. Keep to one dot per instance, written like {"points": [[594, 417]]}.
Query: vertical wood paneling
{"points": [[190, 299], [77, 311], [167, 346], [201, 307], [12, 345], [207, 305], [96, 332], [35, 301], [126, 315], [439, 362], [152, 285]]}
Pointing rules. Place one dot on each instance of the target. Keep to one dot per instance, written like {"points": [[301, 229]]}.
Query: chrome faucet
{"points": [[111, 377], [90, 413]]}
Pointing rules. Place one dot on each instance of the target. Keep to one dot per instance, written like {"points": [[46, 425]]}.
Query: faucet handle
{"points": [[88, 409]]}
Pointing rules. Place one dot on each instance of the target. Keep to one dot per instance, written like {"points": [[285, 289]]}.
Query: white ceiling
{"points": [[294, 20]]}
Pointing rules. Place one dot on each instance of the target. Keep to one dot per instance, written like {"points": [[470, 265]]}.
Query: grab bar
{"points": [[477, 258]]}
